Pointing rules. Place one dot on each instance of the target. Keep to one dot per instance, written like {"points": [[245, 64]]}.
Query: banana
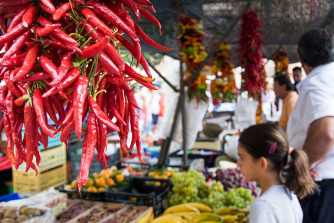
{"points": [[181, 208], [201, 207], [209, 221], [206, 217], [229, 218], [227, 211], [169, 219], [244, 220], [188, 216], [240, 215]]}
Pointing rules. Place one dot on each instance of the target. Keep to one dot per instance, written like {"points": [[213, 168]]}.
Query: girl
{"points": [[263, 156]]}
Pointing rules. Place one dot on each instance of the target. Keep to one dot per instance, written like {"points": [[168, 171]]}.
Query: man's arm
{"points": [[320, 139]]}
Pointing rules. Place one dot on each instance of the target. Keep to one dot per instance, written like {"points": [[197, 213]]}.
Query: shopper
{"points": [[284, 90], [263, 157], [297, 76], [311, 124], [155, 107]]}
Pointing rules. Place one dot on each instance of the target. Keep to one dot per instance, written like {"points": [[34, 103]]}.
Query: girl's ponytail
{"points": [[269, 141], [296, 174]]}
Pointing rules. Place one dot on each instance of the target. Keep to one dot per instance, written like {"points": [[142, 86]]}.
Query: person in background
{"points": [[143, 98], [297, 76], [311, 124], [284, 90], [155, 106], [265, 156]]}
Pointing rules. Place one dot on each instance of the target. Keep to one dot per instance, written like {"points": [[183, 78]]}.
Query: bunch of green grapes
{"points": [[203, 190], [187, 186], [239, 197], [216, 196]]}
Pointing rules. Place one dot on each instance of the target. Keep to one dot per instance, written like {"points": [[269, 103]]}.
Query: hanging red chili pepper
{"points": [[79, 97], [30, 133], [39, 109]]}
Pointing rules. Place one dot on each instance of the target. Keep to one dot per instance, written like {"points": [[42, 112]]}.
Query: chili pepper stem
{"points": [[85, 43], [68, 25], [83, 26]]}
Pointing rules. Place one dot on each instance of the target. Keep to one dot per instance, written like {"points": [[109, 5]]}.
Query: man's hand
{"points": [[320, 139], [313, 172]]}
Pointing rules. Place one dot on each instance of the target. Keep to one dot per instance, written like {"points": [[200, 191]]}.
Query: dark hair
{"points": [[297, 69], [258, 141], [316, 47], [284, 80]]}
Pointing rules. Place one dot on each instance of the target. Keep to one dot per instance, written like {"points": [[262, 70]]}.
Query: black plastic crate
{"points": [[95, 167], [138, 169], [139, 166], [174, 167], [145, 191], [74, 194]]}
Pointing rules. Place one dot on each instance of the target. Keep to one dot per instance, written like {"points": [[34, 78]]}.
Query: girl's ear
{"points": [[263, 163]]}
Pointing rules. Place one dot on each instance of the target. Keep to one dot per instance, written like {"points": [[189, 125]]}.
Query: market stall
{"points": [[134, 192], [63, 62]]}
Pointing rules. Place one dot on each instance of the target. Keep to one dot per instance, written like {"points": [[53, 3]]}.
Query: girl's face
{"points": [[250, 167]]}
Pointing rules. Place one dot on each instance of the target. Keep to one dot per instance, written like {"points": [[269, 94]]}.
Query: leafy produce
{"points": [[191, 187], [62, 61]]}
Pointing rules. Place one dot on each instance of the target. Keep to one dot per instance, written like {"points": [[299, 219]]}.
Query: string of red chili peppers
{"points": [[254, 74], [62, 60]]}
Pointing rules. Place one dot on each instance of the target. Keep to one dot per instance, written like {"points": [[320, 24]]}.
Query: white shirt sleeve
{"points": [[262, 212], [318, 104]]}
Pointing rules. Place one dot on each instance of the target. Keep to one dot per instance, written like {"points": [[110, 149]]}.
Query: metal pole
{"points": [[163, 156], [182, 96], [215, 48]]}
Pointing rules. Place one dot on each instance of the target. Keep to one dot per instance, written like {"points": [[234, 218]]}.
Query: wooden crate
{"points": [[50, 158], [30, 183]]}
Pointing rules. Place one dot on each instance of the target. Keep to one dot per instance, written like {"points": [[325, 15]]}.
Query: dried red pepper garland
{"points": [[193, 53], [223, 87], [250, 51], [281, 63], [254, 75], [65, 54]]}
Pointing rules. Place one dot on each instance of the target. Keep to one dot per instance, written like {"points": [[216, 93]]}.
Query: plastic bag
{"points": [[231, 146], [245, 113], [194, 116]]}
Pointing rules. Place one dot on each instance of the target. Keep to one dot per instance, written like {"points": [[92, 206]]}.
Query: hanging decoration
{"points": [[281, 63], [223, 87], [193, 53], [253, 75]]}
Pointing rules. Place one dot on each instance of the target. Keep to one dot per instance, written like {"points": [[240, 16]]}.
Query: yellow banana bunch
{"points": [[204, 217], [169, 218], [233, 215], [201, 207], [181, 208]]}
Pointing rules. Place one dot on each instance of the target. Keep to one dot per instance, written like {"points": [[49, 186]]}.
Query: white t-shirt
{"points": [[316, 100], [276, 205], [155, 106]]}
